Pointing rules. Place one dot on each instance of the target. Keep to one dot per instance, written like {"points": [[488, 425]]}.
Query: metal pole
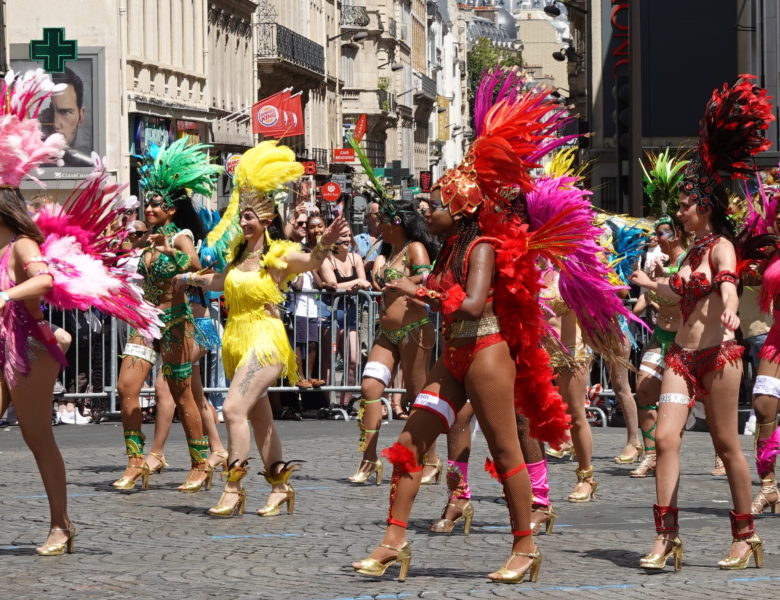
{"points": [[3, 53], [635, 197]]}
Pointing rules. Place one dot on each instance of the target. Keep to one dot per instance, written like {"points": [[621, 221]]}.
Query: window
{"points": [[348, 55]]}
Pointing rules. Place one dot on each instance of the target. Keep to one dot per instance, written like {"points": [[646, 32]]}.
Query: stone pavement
{"points": [[160, 544]]}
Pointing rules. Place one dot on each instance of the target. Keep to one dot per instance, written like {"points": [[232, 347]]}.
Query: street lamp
{"points": [[394, 66], [551, 10], [357, 36], [564, 54]]}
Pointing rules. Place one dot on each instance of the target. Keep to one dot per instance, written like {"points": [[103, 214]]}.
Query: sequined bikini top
{"points": [[162, 268], [390, 273], [698, 286], [556, 303]]}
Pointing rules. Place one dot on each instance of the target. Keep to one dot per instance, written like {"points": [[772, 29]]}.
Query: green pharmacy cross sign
{"points": [[54, 49]]}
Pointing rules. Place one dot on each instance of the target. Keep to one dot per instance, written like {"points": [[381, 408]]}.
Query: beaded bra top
{"points": [[162, 268], [698, 286]]}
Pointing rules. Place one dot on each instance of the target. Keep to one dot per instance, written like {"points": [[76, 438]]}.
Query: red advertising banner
{"points": [[343, 155], [426, 179], [267, 114], [331, 191], [294, 116], [360, 128]]}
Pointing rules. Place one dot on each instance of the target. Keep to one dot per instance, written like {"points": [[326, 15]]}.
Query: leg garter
{"points": [[134, 442], [404, 463], [362, 440], [766, 386], [439, 406], [676, 399], [140, 351], [377, 370]]}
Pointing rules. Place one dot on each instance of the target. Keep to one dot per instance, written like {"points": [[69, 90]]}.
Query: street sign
{"points": [[54, 49], [415, 190], [331, 191], [343, 155], [343, 180], [309, 167], [395, 173]]}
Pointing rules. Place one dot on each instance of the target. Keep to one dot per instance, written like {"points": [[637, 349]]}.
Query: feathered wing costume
{"points": [[83, 258], [80, 260], [258, 182], [515, 128]]}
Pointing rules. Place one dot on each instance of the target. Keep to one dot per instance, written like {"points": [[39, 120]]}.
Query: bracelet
{"points": [[425, 293], [425, 277], [6, 298], [186, 278]]}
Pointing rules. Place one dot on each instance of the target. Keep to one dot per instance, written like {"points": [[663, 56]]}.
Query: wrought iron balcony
{"points": [[392, 28], [275, 42], [354, 16]]}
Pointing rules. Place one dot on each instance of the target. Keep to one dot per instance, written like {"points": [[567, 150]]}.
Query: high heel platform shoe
{"points": [[432, 478], [444, 525], [548, 523], [277, 476], [756, 550], [361, 477], [584, 476], [507, 575], [61, 547], [625, 459], [371, 566], [658, 561], [767, 497], [235, 474]]}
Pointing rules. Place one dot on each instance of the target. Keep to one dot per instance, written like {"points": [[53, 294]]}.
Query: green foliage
{"points": [[485, 55]]}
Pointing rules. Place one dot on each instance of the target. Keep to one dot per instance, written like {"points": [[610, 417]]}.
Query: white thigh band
{"points": [[675, 399], [140, 351], [767, 386], [652, 372], [437, 405], [654, 358], [377, 370]]}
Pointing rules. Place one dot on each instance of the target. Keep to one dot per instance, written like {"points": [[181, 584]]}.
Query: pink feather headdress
{"points": [[22, 146]]}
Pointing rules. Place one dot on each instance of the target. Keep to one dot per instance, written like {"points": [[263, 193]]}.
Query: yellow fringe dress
{"points": [[249, 327]]}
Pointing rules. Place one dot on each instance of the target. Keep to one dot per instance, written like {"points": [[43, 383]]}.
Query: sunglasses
{"points": [[138, 233], [300, 224]]}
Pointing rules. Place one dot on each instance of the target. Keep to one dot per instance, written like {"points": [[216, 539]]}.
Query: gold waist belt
{"points": [[470, 329]]}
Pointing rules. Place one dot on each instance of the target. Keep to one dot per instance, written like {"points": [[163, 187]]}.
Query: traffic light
{"points": [[622, 116]]}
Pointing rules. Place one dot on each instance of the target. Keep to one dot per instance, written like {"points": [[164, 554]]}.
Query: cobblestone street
{"points": [[160, 544]]}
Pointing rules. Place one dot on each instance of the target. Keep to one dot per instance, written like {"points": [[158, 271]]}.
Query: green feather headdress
{"points": [[660, 182], [170, 171], [387, 205]]}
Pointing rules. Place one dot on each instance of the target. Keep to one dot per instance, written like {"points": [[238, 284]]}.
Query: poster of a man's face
{"points": [[72, 113]]}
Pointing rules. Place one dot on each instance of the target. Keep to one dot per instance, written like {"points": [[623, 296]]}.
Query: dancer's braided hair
{"points": [[468, 232]]}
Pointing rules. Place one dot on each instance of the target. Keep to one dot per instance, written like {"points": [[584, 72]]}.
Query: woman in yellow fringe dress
{"points": [[255, 347]]}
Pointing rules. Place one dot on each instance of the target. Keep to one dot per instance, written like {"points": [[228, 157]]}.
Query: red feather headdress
{"points": [[517, 129], [729, 134]]}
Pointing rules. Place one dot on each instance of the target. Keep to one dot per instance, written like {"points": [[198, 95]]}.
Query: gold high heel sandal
{"points": [[663, 528], [564, 451], [507, 575], [657, 562], [444, 525], [282, 476], [624, 459], [548, 523], [645, 468], [223, 462], [432, 478], [147, 472], [756, 550], [584, 476], [60, 548], [190, 487], [127, 482], [361, 477], [371, 566], [767, 497], [235, 474]]}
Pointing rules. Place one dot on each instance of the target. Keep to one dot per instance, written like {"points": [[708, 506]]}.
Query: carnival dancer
{"points": [[671, 238], [405, 337], [165, 175], [761, 259], [485, 284], [704, 362], [255, 347], [64, 260]]}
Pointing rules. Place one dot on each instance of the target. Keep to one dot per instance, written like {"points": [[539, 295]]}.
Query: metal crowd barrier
{"points": [[333, 347]]}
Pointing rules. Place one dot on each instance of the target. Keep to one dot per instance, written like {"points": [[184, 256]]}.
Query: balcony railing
{"points": [[277, 42], [386, 101], [392, 28], [320, 156], [426, 87], [354, 16]]}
